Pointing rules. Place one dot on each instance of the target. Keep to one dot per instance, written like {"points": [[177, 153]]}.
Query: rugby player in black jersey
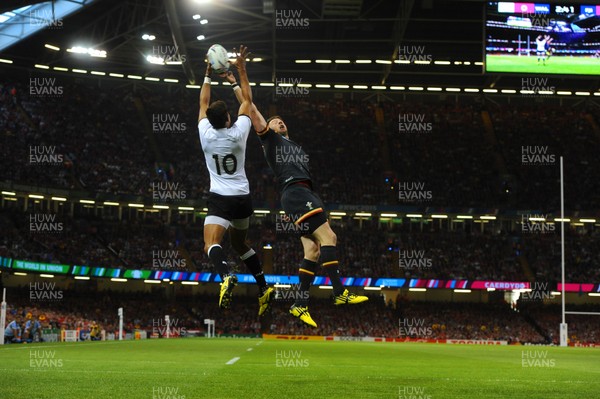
{"points": [[301, 204]]}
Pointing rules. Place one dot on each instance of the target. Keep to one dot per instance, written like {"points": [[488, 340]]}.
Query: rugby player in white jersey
{"points": [[229, 202], [540, 43]]}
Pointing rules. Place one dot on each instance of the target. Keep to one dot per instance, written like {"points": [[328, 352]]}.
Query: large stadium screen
{"points": [[542, 38]]}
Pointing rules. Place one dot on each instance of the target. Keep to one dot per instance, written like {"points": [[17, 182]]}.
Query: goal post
{"points": [[2, 316], [120, 314], [563, 328]]}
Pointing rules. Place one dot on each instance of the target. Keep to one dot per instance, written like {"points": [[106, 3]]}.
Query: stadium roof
{"points": [[26, 20], [316, 41]]}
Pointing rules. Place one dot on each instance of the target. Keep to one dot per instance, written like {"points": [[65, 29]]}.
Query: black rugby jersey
{"points": [[287, 159]]}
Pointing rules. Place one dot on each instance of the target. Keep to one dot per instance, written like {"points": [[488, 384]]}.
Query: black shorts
{"points": [[304, 207], [229, 207]]}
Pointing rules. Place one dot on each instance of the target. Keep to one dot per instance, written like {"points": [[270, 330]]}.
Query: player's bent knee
{"points": [[238, 241], [325, 235], [328, 238], [312, 253], [208, 246], [333, 238], [316, 256], [240, 248]]}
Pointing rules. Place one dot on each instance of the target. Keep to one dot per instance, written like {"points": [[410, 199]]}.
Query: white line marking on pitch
{"points": [[67, 346], [249, 349], [235, 359], [33, 370], [259, 343]]}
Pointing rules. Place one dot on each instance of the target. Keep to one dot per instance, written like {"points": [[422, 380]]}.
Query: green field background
{"points": [[196, 368], [555, 65]]}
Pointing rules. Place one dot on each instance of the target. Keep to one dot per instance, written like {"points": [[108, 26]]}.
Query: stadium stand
{"points": [[469, 255], [122, 151], [535, 323]]}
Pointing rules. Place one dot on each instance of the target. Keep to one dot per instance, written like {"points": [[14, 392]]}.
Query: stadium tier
{"points": [[148, 151], [406, 250], [401, 318], [317, 198]]}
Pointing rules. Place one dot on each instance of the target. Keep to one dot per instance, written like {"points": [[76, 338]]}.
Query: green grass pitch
{"points": [[197, 368], [555, 65]]}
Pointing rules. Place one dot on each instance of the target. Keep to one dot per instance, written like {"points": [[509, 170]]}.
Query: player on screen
{"points": [[540, 42], [549, 50], [229, 202], [301, 205]]}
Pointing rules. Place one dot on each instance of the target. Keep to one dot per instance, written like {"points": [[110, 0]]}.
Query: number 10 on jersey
{"points": [[228, 163]]}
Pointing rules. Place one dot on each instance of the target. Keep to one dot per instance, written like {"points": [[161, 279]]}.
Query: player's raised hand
{"points": [[228, 76], [240, 59], [208, 69]]}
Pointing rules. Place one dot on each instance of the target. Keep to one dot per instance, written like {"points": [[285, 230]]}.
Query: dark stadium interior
{"points": [[449, 30], [469, 152]]}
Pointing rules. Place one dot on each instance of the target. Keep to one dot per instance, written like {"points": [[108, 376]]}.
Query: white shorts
{"points": [[239, 224]]}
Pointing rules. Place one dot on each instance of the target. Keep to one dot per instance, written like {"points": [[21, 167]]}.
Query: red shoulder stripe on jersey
{"points": [[307, 215]]}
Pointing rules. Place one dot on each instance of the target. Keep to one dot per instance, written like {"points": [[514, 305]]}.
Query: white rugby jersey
{"points": [[225, 155], [541, 44]]}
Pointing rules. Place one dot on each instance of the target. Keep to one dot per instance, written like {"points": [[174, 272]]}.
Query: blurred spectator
{"points": [[12, 333]]}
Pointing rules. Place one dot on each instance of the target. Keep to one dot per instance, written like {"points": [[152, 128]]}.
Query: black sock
{"points": [[307, 275], [217, 257], [330, 263], [252, 262]]}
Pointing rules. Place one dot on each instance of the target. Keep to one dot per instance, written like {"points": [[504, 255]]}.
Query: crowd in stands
{"points": [[96, 142], [535, 323], [79, 310], [582, 257], [122, 140], [366, 249], [442, 147], [528, 130], [472, 321], [512, 163], [107, 144], [581, 328]]}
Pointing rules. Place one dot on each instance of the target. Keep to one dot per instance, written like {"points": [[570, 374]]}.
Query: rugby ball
{"points": [[217, 56]]}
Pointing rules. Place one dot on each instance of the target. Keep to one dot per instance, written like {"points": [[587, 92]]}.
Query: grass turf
{"points": [[196, 368], [555, 65]]}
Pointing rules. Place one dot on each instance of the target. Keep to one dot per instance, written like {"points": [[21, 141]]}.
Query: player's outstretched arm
{"points": [[205, 93], [240, 63], [258, 121], [230, 77]]}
